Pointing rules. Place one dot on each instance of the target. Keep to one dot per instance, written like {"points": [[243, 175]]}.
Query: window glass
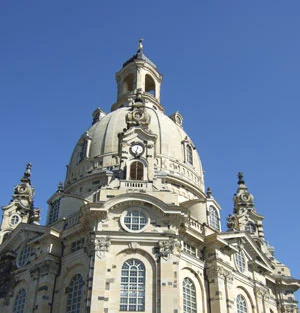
{"points": [[23, 256], [241, 305], [189, 296], [214, 218], [74, 293], [240, 261], [132, 290], [135, 220], [189, 154], [189, 249], [136, 170], [77, 245], [54, 210], [20, 302]]}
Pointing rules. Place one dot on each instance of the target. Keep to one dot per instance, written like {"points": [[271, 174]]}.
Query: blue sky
{"points": [[231, 68]]}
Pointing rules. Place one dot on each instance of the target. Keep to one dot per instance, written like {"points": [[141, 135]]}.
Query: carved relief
{"points": [[101, 246], [219, 272], [98, 245], [168, 247]]}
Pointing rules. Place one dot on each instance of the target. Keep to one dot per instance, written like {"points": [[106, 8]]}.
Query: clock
{"points": [[137, 149]]}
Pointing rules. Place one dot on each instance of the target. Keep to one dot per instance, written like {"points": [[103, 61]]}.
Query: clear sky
{"points": [[231, 68]]}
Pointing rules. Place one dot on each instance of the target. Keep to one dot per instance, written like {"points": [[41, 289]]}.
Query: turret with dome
{"points": [[132, 228]]}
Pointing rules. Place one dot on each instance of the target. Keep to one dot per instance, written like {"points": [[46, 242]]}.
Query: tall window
{"points": [[132, 291], [20, 302], [23, 256], [189, 296], [214, 218], [54, 210], [240, 261], [189, 154], [241, 305], [136, 170], [74, 292]]}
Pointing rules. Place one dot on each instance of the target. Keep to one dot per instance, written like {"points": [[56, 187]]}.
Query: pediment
{"points": [[231, 242], [22, 233]]}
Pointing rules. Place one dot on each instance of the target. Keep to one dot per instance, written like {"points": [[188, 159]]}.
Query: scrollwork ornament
{"points": [[168, 247]]}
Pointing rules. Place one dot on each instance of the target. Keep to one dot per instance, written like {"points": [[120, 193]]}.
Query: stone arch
{"points": [[134, 252], [64, 282], [150, 85], [128, 83], [200, 290], [23, 284], [250, 302]]}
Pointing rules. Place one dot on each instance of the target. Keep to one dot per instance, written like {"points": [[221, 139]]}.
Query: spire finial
{"points": [[28, 170], [241, 178], [60, 187], [140, 45], [27, 174]]}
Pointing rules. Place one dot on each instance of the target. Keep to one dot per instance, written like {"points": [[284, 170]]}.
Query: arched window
{"points": [[241, 305], [20, 302], [250, 228], [128, 83], [74, 293], [189, 154], [53, 211], [149, 84], [214, 218], [83, 149], [136, 170], [23, 256], [240, 261], [189, 296], [132, 290]]}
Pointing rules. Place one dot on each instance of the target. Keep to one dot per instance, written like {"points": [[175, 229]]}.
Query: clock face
{"points": [[137, 149]]}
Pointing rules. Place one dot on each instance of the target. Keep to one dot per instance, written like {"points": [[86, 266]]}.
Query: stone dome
{"points": [[103, 150], [136, 144]]}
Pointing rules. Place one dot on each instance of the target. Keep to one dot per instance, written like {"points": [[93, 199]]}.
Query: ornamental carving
{"points": [[102, 245], [168, 247], [138, 116], [261, 292], [98, 245], [219, 272]]}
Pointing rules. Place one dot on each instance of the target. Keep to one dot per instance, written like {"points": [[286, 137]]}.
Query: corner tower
{"points": [[21, 208]]}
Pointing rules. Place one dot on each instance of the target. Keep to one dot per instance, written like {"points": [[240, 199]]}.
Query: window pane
{"points": [[214, 218], [135, 220], [20, 302], [241, 305], [132, 293], [74, 294], [189, 296]]}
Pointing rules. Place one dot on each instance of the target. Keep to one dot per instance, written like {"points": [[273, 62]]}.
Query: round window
{"points": [[23, 256], [134, 220], [15, 219]]}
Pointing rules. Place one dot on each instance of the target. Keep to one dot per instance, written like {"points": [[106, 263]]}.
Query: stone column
{"points": [[218, 289], [97, 299], [44, 277]]}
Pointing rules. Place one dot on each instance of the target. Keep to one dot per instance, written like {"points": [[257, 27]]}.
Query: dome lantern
{"points": [[138, 73]]}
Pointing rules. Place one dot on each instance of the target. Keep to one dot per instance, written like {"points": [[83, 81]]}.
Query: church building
{"points": [[133, 227]]}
